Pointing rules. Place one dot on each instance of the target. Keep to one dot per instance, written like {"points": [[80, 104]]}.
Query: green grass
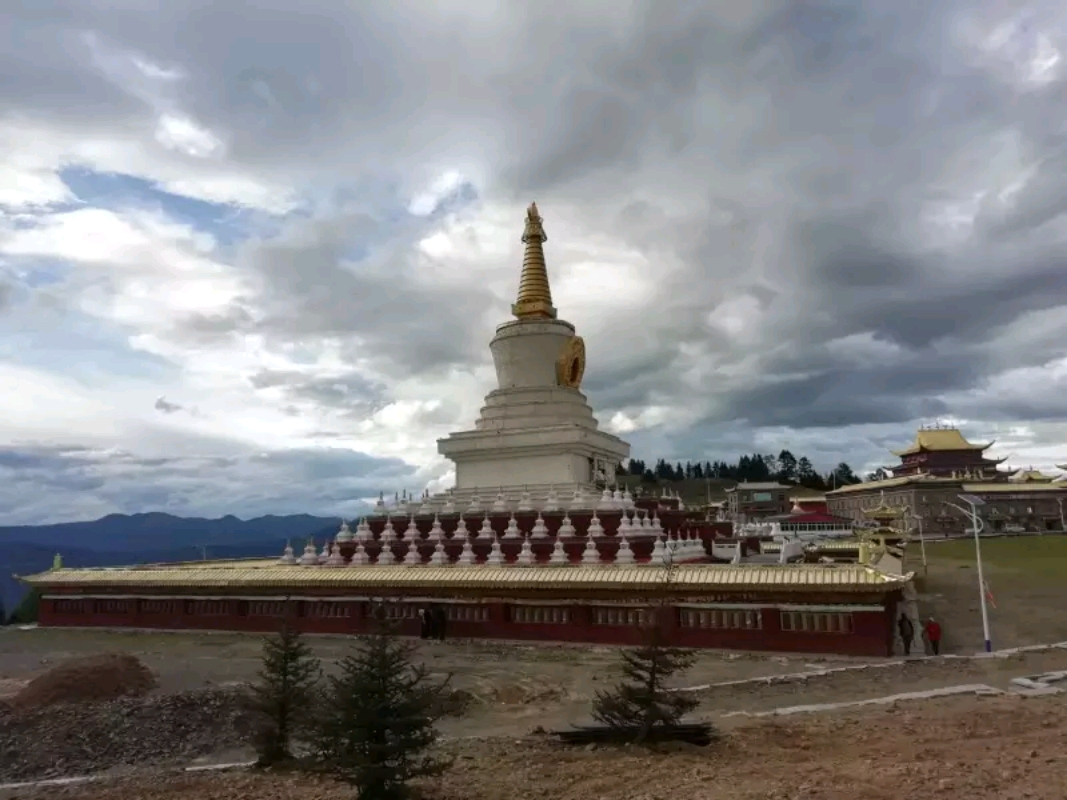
{"points": [[1033, 558], [1028, 578]]}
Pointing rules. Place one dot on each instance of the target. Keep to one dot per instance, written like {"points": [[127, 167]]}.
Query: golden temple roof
{"points": [[535, 295], [260, 573], [939, 440], [890, 483]]}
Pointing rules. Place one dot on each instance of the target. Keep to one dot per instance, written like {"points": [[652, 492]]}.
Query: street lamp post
{"points": [[976, 525], [922, 540], [1063, 526]]}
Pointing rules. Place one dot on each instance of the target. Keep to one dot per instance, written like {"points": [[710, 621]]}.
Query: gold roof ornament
{"points": [[535, 295], [883, 514], [57, 561]]}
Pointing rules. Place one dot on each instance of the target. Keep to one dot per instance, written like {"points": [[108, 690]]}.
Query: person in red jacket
{"points": [[933, 635]]}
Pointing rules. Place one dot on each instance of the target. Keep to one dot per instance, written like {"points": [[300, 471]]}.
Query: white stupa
{"points": [[486, 531], [496, 557], [359, 558], [287, 555], [512, 531], [466, 556], [536, 429], [540, 531]]}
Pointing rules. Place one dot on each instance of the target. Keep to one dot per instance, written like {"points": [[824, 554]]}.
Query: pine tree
{"points": [[641, 703], [379, 717], [284, 697]]}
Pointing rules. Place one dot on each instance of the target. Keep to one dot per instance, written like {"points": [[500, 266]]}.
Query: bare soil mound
{"points": [[103, 677]]}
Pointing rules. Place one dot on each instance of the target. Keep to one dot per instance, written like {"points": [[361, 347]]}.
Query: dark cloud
{"points": [[166, 407], [779, 167]]}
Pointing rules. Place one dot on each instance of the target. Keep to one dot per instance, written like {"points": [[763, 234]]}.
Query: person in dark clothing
{"points": [[440, 619], [907, 632], [424, 623], [933, 635]]}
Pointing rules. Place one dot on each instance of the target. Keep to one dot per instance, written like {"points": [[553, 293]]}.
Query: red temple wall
{"points": [[871, 632]]}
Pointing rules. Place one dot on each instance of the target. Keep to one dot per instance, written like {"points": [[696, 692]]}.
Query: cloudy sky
{"points": [[251, 254]]}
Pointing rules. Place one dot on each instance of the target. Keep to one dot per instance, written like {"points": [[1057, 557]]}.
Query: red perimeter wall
{"points": [[871, 631]]}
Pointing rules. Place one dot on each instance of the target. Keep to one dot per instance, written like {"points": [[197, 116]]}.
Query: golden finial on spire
{"points": [[535, 296]]}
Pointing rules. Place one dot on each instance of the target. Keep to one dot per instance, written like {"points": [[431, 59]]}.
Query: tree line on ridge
{"points": [[784, 468]]}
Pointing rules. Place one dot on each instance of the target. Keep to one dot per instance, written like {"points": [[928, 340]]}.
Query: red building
{"points": [[517, 588], [944, 453]]}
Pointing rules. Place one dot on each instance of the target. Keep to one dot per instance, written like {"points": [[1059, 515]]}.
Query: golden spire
{"points": [[535, 296]]}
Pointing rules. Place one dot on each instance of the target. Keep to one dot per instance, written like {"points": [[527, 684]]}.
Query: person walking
{"points": [[933, 635], [907, 632]]}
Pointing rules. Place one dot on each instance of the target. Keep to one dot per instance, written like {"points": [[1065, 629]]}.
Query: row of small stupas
{"points": [[487, 546], [550, 502]]}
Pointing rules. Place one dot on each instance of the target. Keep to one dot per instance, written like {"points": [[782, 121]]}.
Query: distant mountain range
{"points": [[118, 539]]}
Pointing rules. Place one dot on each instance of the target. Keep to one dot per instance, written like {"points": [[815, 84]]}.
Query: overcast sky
{"points": [[252, 254]]}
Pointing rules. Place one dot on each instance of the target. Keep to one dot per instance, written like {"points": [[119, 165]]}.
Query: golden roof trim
{"points": [[534, 300], [425, 576], [1017, 488]]}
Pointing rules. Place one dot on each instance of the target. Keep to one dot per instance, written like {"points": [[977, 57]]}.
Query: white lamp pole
{"points": [[976, 525], [922, 540]]}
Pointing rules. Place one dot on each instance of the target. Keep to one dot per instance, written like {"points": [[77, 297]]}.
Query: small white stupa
{"points": [[578, 500], [450, 504], [386, 556], [624, 555], [461, 531], [439, 557], [412, 532], [659, 552], [437, 533], [552, 501], [344, 535], [309, 558], [590, 555], [559, 555], [512, 531], [388, 532], [525, 503], [566, 528], [539, 529], [324, 556], [335, 559], [359, 558], [475, 505], [500, 505], [526, 556], [625, 526], [496, 557], [605, 503], [595, 528], [426, 508], [287, 556], [412, 556], [486, 531], [657, 527], [379, 507], [466, 556]]}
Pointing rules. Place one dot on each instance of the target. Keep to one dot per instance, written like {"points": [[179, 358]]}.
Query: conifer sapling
{"points": [[283, 698]]}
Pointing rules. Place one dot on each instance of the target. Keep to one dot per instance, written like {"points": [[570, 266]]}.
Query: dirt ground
{"points": [[515, 688], [1028, 579], [979, 748]]}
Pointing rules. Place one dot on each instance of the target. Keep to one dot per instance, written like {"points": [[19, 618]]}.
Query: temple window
{"points": [[540, 615], [468, 613], [323, 610], [400, 611], [609, 615], [266, 608], [816, 622], [160, 607], [111, 607], [721, 619], [69, 606], [207, 608]]}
